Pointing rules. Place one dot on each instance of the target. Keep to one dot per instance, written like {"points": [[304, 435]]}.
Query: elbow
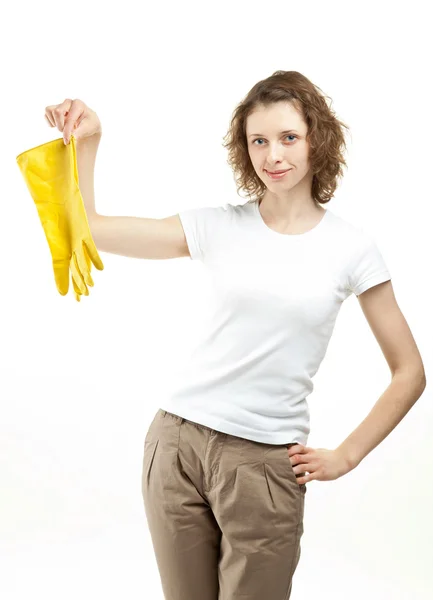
{"points": [[418, 378], [415, 373]]}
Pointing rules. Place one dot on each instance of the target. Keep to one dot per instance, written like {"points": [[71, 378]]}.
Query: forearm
{"points": [[398, 398], [87, 149]]}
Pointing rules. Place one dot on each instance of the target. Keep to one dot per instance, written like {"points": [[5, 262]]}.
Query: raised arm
{"points": [[136, 237], [128, 236]]}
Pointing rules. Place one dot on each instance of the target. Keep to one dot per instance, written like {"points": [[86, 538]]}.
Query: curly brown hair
{"points": [[325, 133]]}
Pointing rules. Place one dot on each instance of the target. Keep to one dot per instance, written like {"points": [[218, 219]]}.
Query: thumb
{"points": [[76, 130]]}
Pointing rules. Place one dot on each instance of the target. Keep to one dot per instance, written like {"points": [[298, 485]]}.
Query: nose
{"points": [[276, 153]]}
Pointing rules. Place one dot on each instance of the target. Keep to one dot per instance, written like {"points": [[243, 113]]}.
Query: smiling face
{"points": [[276, 138]]}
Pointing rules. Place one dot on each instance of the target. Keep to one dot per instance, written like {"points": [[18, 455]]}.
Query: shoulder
{"points": [[352, 235], [211, 213]]}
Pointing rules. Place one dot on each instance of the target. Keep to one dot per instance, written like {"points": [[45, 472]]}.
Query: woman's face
{"points": [[276, 139]]}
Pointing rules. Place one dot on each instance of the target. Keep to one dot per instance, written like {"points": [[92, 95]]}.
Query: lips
{"points": [[277, 172]]}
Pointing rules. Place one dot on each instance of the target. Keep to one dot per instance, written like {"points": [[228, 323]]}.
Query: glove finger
{"points": [[89, 267], [83, 264], [76, 274], [93, 253], [77, 291], [86, 256]]}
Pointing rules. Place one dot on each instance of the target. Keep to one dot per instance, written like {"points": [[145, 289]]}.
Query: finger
{"points": [[49, 121], [73, 119], [300, 477], [57, 113], [295, 450], [301, 469]]}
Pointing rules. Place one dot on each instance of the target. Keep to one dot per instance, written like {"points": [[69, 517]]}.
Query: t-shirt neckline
{"points": [[271, 231]]}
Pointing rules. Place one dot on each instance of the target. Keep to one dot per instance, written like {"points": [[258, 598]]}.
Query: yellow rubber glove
{"points": [[51, 175]]}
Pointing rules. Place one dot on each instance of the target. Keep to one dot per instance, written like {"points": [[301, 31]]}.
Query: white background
{"points": [[81, 382]]}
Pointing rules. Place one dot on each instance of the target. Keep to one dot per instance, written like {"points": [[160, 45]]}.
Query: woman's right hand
{"points": [[73, 116]]}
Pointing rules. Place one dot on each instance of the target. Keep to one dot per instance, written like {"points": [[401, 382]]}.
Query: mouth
{"points": [[277, 174]]}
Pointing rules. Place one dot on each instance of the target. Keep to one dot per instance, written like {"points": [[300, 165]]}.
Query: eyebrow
{"points": [[281, 132]]}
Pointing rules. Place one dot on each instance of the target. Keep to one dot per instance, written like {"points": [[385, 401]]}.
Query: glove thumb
{"points": [[61, 275]]}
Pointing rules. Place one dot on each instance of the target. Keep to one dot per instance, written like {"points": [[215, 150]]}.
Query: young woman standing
{"points": [[225, 462]]}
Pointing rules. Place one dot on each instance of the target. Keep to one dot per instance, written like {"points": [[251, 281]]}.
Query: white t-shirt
{"points": [[277, 297]]}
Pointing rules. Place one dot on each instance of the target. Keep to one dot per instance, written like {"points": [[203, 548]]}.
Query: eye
{"points": [[256, 140]]}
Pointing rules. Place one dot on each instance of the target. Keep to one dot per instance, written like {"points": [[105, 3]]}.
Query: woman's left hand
{"points": [[317, 463]]}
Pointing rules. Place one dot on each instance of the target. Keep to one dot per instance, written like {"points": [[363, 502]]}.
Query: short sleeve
{"points": [[368, 267], [201, 227]]}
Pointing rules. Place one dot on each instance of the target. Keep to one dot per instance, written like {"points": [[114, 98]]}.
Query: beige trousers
{"points": [[225, 514]]}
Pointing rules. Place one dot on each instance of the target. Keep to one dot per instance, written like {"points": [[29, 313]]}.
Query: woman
{"points": [[225, 461]]}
